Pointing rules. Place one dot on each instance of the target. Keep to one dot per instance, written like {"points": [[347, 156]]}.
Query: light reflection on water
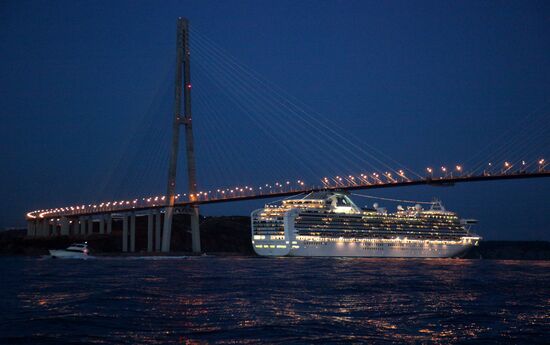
{"points": [[257, 300]]}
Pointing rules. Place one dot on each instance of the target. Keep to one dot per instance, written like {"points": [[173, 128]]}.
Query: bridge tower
{"points": [[182, 80]]}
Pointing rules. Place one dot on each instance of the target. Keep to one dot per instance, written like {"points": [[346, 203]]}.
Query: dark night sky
{"points": [[84, 84]]}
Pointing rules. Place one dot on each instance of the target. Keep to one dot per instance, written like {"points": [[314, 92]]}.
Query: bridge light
{"points": [[542, 164], [429, 170], [506, 164], [443, 169]]}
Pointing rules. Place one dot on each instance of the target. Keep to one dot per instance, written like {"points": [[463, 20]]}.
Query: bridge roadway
{"points": [[86, 220], [442, 181], [143, 204]]}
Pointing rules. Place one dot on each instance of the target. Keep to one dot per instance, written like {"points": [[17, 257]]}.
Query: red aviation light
{"points": [[188, 86]]}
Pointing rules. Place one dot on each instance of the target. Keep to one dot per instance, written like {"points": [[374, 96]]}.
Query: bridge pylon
{"points": [[182, 80]]}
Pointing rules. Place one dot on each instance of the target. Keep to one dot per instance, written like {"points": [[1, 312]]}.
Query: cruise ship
{"points": [[329, 223]]}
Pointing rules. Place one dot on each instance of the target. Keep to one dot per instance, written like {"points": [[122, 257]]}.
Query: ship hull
{"points": [[350, 249], [65, 254], [358, 249]]}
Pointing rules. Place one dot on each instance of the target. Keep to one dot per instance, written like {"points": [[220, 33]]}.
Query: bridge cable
{"points": [[286, 100], [395, 200], [303, 112]]}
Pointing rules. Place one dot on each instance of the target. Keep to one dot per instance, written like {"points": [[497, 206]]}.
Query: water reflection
{"points": [[252, 300]]}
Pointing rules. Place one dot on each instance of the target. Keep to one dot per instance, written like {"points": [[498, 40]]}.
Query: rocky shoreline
{"points": [[226, 236]]}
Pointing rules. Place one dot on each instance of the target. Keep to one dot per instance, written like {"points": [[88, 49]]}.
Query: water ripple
{"points": [[232, 300]]}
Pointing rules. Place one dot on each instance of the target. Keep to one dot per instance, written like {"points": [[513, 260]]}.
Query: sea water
{"points": [[250, 300]]}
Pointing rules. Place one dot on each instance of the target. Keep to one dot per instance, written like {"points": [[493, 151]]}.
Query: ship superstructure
{"points": [[329, 223]]}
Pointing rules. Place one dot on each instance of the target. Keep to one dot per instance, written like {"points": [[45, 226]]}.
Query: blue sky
{"points": [[86, 94]]}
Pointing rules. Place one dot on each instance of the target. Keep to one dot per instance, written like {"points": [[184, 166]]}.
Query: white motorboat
{"points": [[74, 251]]}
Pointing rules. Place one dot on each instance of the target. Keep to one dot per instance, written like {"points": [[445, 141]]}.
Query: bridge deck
{"points": [[150, 204]]}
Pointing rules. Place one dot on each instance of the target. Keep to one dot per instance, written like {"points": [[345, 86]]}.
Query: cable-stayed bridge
{"points": [[294, 133]]}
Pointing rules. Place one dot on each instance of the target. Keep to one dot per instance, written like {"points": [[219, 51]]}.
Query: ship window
{"points": [[341, 202]]}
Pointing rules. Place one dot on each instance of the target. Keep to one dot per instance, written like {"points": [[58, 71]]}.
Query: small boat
{"points": [[74, 251]]}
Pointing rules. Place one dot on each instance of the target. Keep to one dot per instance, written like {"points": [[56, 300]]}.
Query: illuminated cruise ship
{"points": [[328, 223]]}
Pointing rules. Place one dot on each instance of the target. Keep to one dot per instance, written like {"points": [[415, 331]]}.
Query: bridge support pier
{"points": [[53, 232], [109, 220], [101, 224], [158, 229], [38, 228], [150, 220], [47, 231], [125, 233], [44, 228], [31, 228], [82, 226], [91, 225], [195, 230], [76, 227], [64, 226], [167, 232], [133, 232]]}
